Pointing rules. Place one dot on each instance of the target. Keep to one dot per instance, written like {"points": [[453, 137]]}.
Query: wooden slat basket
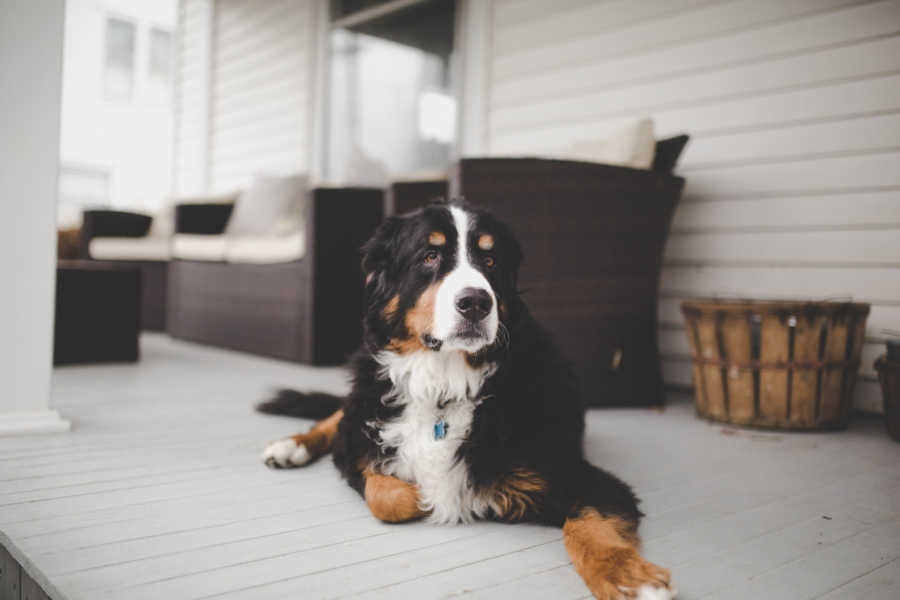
{"points": [[774, 364]]}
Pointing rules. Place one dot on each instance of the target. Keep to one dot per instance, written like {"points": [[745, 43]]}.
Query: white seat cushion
{"points": [[149, 247], [631, 146], [265, 249], [248, 249], [188, 246]]}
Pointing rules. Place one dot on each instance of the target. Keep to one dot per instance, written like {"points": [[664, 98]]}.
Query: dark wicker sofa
{"points": [[307, 310]]}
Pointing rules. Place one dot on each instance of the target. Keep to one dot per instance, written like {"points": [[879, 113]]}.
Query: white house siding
{"points": [[793, 106], [245, 95], [192, 68], [260, 89]]}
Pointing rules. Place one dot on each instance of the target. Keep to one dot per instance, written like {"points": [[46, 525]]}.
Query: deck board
{"points": [[159, 493]]}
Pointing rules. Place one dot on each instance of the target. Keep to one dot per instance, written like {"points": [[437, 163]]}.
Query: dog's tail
{"points": [[306, 405]]}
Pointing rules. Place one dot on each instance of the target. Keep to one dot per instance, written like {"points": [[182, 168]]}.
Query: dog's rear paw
{"points": [[285, 454]]}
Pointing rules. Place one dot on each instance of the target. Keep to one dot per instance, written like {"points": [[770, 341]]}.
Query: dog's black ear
{"points": [[379, 251]]}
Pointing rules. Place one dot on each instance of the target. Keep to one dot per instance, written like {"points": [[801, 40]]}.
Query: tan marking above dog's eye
{"points": [[486, 241], [436, 238]]}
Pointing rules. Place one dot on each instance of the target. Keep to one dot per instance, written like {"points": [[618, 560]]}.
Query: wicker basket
{"points": [[889, 376], [786, 365]]}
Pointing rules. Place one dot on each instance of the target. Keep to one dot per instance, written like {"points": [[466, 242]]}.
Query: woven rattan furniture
{"points": [[593, 237], [307, 310], [407, 195], [889, 377], [97, 312], [154, 273], [787, 365]]}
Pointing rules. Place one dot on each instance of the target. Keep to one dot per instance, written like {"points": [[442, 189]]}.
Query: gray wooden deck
{"points": [[158, 493]]}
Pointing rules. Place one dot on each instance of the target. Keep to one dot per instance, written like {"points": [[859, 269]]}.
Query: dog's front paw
{"points": [[649, 592], [621, 574], [285, 454]]}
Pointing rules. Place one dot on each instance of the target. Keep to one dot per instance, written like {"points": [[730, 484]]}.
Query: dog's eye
{"points": [[489, 262], [431, 257]]}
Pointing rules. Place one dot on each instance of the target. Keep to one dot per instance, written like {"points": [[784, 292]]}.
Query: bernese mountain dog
{"points": [[461, 408]]}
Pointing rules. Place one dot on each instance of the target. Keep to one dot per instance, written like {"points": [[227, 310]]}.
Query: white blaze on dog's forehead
{"points": [[461, 220], [463, 275]]}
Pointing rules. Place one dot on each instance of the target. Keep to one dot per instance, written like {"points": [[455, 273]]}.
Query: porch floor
{"points": [[159, 493]]}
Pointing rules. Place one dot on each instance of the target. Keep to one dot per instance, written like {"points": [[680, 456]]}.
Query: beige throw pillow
{"points": [[266, 203], [631, 146]]}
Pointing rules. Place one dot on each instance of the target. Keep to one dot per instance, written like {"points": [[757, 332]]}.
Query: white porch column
{"points": [[31, 42]]}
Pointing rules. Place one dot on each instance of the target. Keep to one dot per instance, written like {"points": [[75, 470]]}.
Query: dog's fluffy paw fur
{"points": [[649, 592], [286, 453]]}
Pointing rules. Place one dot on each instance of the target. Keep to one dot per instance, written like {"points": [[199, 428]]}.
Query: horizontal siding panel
{"points": [[278, 50], [195, 31], [191, 94], [699, 21], [833, 101], [236, 146], [241, 30], [264, 127], [586, 24], [253, 76], [243, 11], [274, 160], [260, 102], [816, 175], [261, 96], [864, 59], [833, 247], [192, 10], [832, 27], [246, 118], [508, 13], [880, 285], [276, 44], [852, 135], [874, 209], [229, 182]]}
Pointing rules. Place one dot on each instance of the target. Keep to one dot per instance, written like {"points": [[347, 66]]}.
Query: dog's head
{"points": [[440, 279]]}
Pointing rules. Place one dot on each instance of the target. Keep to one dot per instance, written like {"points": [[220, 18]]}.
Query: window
{"points": [[118, 78], [392, 107], [160, 66]]}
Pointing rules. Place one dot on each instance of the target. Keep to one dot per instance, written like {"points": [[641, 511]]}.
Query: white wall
{"points": [[794, 110], [193, 55], [131, 139], [31, 37], [244, 91]]}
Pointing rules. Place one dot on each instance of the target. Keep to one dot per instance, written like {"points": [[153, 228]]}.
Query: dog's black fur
{"points": [[531, 418]]}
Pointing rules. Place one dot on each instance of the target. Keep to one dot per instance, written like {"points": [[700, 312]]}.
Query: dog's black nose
{"points": [[474, 304]]}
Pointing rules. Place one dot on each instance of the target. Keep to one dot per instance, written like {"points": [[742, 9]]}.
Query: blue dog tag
{"points": [[440, 430]]}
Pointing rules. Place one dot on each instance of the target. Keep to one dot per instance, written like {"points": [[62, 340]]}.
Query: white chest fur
{"points": [[432, 386]]}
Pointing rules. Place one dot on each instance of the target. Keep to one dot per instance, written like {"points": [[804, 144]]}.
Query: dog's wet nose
{"points": [[474, 304]]}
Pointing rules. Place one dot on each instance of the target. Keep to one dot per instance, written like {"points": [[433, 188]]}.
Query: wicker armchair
{"points": [[593, 237]]}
